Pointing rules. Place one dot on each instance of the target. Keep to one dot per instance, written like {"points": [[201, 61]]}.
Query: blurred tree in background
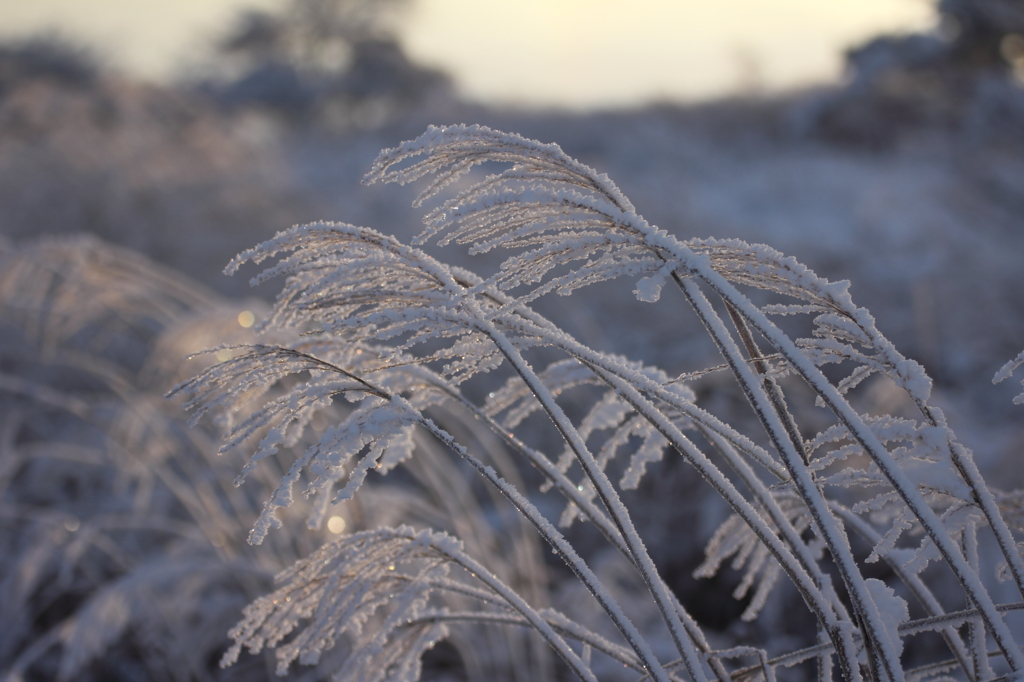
{"points": [[335, 62], [984, 34], [964, 77]]}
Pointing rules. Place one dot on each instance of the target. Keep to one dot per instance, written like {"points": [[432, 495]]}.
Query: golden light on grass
{"points": [[246, 318], [336, 524]]}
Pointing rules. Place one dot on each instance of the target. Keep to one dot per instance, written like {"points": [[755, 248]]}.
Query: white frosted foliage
{"points": [[893, 610], [398, 333], [1006, 371]]}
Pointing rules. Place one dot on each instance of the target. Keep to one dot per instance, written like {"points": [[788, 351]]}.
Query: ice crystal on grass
{"points": [[385, 591], [399, 333], [1006, 371], [339, 591]]}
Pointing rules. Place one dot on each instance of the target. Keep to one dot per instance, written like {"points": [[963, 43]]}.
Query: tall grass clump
{"points": [[122, 552], [824, 490]]}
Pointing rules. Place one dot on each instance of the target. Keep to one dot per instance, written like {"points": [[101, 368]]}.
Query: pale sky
{"points": [[569, 53]]}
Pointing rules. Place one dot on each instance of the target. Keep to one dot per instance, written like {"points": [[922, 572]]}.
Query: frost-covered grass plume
{"points": [[880, 522]]}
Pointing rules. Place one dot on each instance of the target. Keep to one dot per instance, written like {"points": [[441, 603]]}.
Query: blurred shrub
{"points": [[964, 77]]}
